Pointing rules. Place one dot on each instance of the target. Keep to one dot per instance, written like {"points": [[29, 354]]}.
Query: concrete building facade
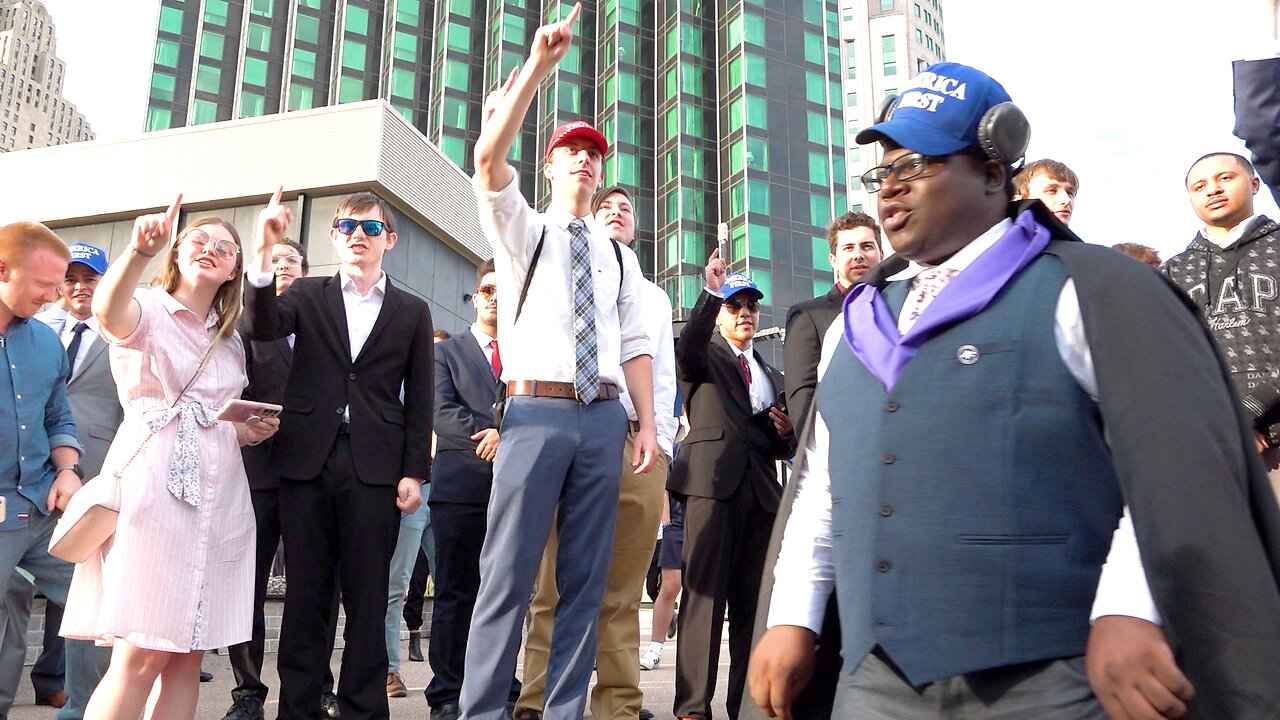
{"points": [[34, 112]]}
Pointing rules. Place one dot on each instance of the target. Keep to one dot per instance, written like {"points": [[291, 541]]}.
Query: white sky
{"points": [[1126, 93]]}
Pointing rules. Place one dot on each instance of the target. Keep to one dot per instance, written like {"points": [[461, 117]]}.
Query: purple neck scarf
{"points": [[871, 330]]}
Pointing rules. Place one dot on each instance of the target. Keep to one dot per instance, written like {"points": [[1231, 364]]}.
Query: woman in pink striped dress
{"points": [[178, 576]]}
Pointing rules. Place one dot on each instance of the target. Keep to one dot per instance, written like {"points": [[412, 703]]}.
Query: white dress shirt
{"points": [[484, 339], [1234, 234], [64, 323], [761, 390], [805, 574], [657, 314], [541, 345]]}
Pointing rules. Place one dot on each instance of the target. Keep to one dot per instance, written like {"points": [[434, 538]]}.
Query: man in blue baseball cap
{"points": [[726, 474], [972, 448]]}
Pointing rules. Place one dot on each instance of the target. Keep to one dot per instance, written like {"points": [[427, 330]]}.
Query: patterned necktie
{"points": [[924, 288], [73, 348], [495, 360], [586, 377], [746, 370]]}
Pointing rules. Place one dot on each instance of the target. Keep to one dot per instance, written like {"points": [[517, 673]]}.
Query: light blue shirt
{"points": [[34, 417]]}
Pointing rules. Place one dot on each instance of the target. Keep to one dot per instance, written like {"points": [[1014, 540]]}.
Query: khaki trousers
{"points": [[617, 693]]}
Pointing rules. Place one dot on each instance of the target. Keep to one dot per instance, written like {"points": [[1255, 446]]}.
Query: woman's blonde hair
{"points": [[227, 300]]}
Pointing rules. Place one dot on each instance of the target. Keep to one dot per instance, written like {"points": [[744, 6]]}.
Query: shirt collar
{"points": [[174, 306], [740, 353], [481, 336], [349, 285], [561, 219], [1234, 234], [965, 256]]}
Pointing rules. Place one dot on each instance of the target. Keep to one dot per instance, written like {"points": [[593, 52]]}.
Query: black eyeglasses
{"points": [[906, 167], [372, 228], [487, 290]]}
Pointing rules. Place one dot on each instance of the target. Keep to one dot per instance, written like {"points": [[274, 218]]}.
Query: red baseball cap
{"points": [[578, 128]]}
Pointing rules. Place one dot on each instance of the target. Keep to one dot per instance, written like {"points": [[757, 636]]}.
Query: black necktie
{"points": [[74, 348]]}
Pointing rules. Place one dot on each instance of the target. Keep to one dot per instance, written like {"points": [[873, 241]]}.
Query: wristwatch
{"points": [[73, 468]]}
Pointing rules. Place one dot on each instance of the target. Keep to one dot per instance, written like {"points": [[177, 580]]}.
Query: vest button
{"points": [[339, 411], [886, 510], [888, 458], [891, 406], [883, 566], [352, 376]]}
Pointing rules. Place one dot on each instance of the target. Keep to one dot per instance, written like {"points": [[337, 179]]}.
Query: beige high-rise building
{"points": [[34, 113], [882, 44]]}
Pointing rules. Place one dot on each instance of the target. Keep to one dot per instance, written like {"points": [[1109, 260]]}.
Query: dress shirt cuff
{"points": [[65, 440], [1122, 588], [798, 604], [716, 293], [260, 279]]}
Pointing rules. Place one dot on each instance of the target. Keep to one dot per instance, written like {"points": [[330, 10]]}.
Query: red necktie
{"points": [[746, 370], [495, 360]]}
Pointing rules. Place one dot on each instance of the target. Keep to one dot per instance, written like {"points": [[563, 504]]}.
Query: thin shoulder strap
{"points": [[528, 278], [617, 253]]}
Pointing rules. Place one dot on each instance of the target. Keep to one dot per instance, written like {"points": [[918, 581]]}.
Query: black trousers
{"points": [[725, 544], [246, 658], [336, 527], [459, 531], [416, 600]]}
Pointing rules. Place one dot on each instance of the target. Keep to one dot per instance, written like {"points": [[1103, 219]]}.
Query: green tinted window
{"points": [[162, 86], [215, 12], [755, 70], [627, 130], [737, 156], [753, 28], [572, 60], [252, 104], [456, 74], [513, 27], [822, 287], [255, 72], [259, 38], [166, 53], [569, 98], [629, 11], [304, 63], [672, 123], [813, 11], [350, 90], [628, 170], [759, 241], [693, 205], [171, 22], [208, 79], [461, 7], [819, 172], [406, 45], [459, 37], [353, 55], [819, 209], [757, 112], [262, 7], [690, 289], [815, 88], [407, 11], [817, 127], [690, 78], [307, 28], [737, 199], [610, 90], [357, 20], [693, 121], [757, 153], [735, 31], [211, 45], [672, 43], [402, 83], [736, 107], [691, 40], [158, 119], [670, 251], [628, 88], [764, 281], [814, 48], [203, 111], [821, 254], [693, 162], [758, 196], [735, 71], [454, 148], [301, 97]]}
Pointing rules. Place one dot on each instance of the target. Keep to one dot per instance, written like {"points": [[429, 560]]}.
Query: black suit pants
{"points": [[246, 658], [725, 543], [336, 527]]}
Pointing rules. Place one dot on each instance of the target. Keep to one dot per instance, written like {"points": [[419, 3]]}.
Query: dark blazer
{"points": [[390, 439], [807, 322], [465, 392], [267, 366], [712, 462], [1257, 90]]}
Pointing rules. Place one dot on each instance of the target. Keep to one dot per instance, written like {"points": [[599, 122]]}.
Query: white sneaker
{"points": [[650, 658]]}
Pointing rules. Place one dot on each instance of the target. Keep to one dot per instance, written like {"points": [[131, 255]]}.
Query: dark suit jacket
{"points": [[267, 365], [726, 446], [389, 439], [1257, 88], [465, 392], [807, 322]]}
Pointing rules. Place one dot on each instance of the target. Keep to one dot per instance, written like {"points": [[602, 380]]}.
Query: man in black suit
{"points": [[467, 369], [726, 473], [267, 366], [355, 454], [854, 238]]}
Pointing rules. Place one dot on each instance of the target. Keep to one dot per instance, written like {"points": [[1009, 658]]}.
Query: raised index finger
{"points": [[172, 213], [275, 199], [573, 15]]}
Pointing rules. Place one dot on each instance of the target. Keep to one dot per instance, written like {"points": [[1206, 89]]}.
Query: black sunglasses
{"points": [[372, 228], [734, 304], [487, 290]]}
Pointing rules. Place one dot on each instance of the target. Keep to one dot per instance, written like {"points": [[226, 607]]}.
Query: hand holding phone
{"points": [[238, 410]]}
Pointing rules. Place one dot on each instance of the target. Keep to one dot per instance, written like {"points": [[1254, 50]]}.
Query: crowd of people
{"points": [[1032, 477]]}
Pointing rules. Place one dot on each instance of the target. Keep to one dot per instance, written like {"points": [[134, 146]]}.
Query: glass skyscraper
{"points": [[720, 111]]}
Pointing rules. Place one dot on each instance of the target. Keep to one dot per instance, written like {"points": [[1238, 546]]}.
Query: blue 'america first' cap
{"points": [[938, 112], [89, 256], [736, 283]]}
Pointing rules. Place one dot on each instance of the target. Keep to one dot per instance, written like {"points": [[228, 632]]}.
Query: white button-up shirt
{"points": [[540, 346], [657, 314]]}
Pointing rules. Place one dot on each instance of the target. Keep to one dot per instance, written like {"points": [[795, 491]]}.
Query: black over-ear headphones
{"points": [[1003, 131]]}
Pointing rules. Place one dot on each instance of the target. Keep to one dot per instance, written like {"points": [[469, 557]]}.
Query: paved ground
{"points": [[658, 686]]}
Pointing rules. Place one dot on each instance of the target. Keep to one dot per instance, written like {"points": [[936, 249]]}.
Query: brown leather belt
{"points": [[550, 388]]}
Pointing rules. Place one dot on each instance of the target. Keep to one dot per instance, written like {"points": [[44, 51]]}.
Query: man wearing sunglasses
{"points": [[726, 472], [573, 332], [358, 403], [972, 449]]}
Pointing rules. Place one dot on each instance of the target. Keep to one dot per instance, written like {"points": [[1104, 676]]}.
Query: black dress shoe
{"points": [[245, 708], [646, 714], [447, 711], [415, 647], [206, 676], [329, 706]]}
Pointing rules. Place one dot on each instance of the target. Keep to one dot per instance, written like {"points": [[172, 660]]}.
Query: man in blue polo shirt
{"points": [[39, 449]]}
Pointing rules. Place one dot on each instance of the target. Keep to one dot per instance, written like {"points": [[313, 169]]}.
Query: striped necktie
{"points": [[586, 377]]}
